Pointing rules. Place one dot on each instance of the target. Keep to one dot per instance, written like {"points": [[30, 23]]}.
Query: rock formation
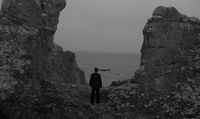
{"points": [[167, 84], [34, 70], [38, 80], [170, 51]]}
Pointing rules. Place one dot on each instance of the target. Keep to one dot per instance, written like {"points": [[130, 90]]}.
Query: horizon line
{"points": [[103, 51]]}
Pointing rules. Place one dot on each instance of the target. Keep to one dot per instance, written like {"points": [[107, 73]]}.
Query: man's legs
{"points": [[92, 96], [98, 95]]}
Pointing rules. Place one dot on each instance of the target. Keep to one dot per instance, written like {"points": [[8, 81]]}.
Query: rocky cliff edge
{"points": [[34, 71], [170, 51], [167, 84]]}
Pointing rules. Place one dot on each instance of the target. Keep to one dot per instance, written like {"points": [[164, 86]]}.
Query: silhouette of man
{"points": [[95, 84]]}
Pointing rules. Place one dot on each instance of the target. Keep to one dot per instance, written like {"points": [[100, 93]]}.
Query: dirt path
{"points": [[81, 103], [103, 109]]}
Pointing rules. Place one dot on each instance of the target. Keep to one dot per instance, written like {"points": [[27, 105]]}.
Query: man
{"points": [[95, 84]]}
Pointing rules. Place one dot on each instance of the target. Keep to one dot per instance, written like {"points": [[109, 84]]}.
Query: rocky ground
{"points": [[128, 101]]}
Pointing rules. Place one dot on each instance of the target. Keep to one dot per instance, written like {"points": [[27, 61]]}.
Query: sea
{"points": [[121, 65]]}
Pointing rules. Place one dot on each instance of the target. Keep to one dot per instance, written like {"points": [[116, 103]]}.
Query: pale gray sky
{"points": [[111, 25]]}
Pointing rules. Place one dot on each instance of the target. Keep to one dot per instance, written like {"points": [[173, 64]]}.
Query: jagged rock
{"points": [[167, 13], [36, 13], [167, 85], [168, 49], [63, 67], [33, 70]]}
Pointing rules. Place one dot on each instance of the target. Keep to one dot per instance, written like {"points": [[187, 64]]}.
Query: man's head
{"points": [[96, 69]]}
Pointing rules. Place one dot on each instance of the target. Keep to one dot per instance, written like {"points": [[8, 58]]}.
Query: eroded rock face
{"points": [[33, 70], [35, 13], [167, 84], [170, 51]]}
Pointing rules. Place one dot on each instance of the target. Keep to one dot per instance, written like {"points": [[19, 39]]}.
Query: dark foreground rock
{"points": [[35, 73]]}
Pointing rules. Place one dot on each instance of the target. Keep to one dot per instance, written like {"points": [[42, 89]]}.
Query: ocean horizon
{"points": [[121, 65]]}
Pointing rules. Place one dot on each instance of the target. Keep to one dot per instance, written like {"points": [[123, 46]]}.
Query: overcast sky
{"points": [[111, 25]]}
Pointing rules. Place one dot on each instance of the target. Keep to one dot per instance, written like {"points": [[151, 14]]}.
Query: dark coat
{"points": [[95, 80]]}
